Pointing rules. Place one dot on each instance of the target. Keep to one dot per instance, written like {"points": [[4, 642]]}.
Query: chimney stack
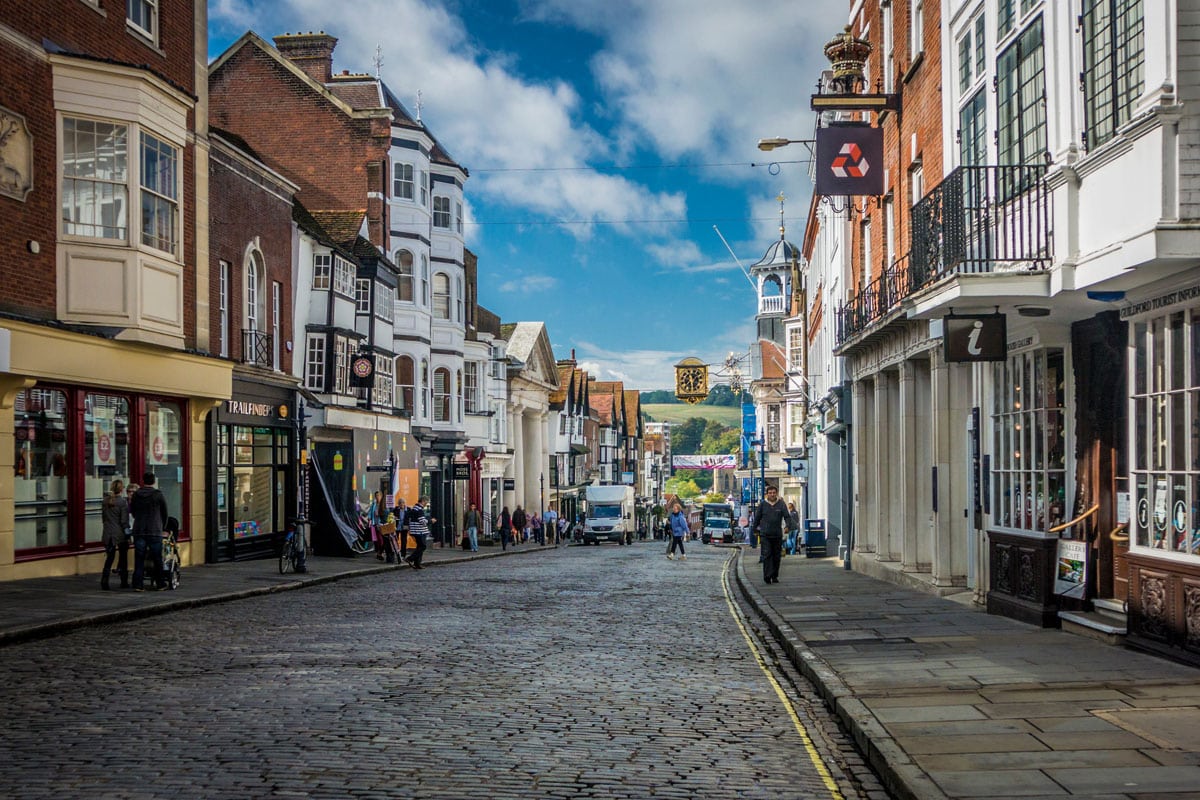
{"points": [[311, 52]]}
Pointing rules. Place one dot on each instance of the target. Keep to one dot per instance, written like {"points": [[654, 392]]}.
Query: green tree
{"points": [[684, 488], [686, 437], [721, 395], [703, 478], [659, 396]]}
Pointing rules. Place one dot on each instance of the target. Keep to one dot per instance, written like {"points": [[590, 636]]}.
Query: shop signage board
{"points": [[462, 472], [721, 461], [975, 337], [849, 160], [1070, 573]]}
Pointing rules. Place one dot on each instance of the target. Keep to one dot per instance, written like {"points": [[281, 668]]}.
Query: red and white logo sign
{"points": [[850, 162], [103, 448]]}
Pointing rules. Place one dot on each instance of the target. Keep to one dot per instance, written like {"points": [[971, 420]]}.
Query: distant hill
{"points": [[730, 416]]}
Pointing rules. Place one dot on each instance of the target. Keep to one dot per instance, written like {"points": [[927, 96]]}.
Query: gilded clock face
{"points": [[692, 381]]}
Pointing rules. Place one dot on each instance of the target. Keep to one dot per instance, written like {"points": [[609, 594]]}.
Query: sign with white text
{"points": [[723, 461], [975, 337]]}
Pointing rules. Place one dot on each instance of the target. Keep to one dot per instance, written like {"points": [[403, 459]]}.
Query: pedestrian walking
{"points": [[535, 529], [418, 527], [520, 524], [471, 524], [377, 517], [550, 524], [401, 514], [562, 531], [505, 527], [149, 511], [770, 520], [793, 533], [679, 530], [115, 514]]}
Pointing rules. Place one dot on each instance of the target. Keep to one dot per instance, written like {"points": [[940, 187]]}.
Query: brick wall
{"points": [[919, 86], [241, 211], [299, 133], [26, 87]]}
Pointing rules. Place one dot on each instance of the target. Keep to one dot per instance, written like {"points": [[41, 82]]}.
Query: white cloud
{"points": [[530, 283], [645, 370]]}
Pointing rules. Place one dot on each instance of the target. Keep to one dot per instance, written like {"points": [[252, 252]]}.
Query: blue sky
{"points": [[605, 139]]}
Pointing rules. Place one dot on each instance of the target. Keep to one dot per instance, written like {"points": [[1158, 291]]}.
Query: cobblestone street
{"points": [[583, 672]]}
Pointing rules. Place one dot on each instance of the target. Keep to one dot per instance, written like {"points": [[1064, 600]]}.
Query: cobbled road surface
{"points": [[582, 672]]}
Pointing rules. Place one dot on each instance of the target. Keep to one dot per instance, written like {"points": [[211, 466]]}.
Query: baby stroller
{"points": [[170, 554]]}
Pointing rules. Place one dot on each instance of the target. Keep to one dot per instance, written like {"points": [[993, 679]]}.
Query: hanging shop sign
{"points": [[975, 337], [462, 472], [849, 160], [723, 461], [362, 371]]}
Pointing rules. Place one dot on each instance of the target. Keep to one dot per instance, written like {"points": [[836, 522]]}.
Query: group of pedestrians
{"points": [[402, 531], [521, 526], [772, 519], [136, 514]]}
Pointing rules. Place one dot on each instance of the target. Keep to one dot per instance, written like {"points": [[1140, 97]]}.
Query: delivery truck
{"points": [[609, 515]]}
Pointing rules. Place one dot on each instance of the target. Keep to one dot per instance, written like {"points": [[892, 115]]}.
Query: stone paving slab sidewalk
{"points": [[950, 702], [39, 607]]}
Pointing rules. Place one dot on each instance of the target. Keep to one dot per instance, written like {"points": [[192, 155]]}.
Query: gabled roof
{"points": [[343, 226], [357, 91], [558, 398], [313, 227], [602, 404], [633, 410], [401, 118], [253, 39]]}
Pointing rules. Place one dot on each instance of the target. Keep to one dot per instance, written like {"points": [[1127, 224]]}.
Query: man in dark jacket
{"points": [[770, 519], [149, 511]]}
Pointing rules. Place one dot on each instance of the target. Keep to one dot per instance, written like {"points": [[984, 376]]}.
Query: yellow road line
{"points": [[813, 755]]}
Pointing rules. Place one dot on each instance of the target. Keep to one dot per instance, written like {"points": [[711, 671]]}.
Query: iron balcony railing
{"points": [[982, 219], [257, 348], [874, 301]]}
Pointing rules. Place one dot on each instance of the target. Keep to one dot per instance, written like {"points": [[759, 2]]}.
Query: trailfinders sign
{"points": [[850, 160], [975, 337]]}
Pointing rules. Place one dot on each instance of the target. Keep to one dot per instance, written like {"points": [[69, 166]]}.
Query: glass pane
{"points": [[263, 450], [1194, 539], [1139, 358], [1039, 501], [281, 514], [283, 448], [1194, 416], [223, 527], [1055, 379], [1141, 442], [1055, 440], [164, 452], [1158, 432], [105, 455], [1141, 512], [1160, 511], [40, 469], [1177, 443], [254, 513], [243, 451], [1158, 356], [1179, 514], [1039, 382], [1057, 505], [1178, 354]]}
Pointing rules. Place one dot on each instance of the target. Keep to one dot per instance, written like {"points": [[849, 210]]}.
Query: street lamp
{"points": [[767, 145]]}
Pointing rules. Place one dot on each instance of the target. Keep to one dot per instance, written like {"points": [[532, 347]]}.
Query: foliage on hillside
{"points": [[718, 395]]}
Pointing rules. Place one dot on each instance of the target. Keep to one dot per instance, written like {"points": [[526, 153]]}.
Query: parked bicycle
{"points": [[292, 555], [365, 541]]}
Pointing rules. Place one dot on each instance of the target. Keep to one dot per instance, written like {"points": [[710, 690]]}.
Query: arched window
{"points": [[255, 294], [424, 389], [441, 395], [441, 295], [404, 263], [459, 395], [405, 373]]}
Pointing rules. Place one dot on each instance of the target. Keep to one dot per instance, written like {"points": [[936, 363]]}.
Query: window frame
{"points": [[1030, 441], [151, 7], [441, 296], [916, 30], [405, 276], [441, 212], [1021, 119], [315, 362], [223, 275], [362, 295], [404, 186], [1118, 63], [471, 387], [343, 278]]}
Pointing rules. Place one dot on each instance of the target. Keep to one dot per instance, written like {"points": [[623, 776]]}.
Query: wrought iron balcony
{"points": [[982, 219], [875, 301], [257, 348]]}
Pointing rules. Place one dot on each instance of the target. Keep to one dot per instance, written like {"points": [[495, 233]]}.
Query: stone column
{"points": [[908, 465], [865, 536], [518, 437], [943, 439], [882, 477]]}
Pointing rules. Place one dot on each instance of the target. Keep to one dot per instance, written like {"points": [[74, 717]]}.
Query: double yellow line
{"points": [[813, 755]]}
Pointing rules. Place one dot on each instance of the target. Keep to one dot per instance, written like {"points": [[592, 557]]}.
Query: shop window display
{"points": [[1029, 441], [163, 452], [40, 469], [1165, 433], [105, 454]]}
